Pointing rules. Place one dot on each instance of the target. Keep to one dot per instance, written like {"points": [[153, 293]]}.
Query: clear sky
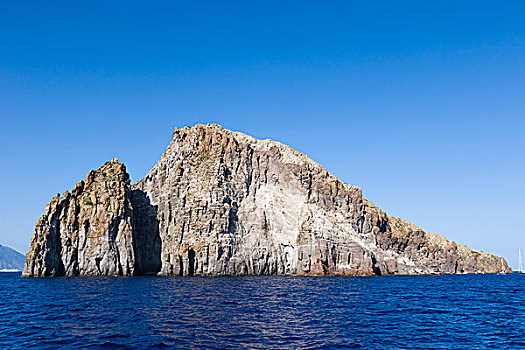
{"points": [[420, 103]]}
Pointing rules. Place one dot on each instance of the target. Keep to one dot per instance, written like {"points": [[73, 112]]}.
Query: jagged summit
{"points": [[289, 154], [220, 202]]}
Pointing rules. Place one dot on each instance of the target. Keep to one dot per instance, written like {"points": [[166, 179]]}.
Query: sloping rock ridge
{"points": [[220, 202], [10, 259]]}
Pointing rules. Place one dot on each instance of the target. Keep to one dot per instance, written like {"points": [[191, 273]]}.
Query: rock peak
{"points": [[205, 136], [87, 231], [195, 127]]}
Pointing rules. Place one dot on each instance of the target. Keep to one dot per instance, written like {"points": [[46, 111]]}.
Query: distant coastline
{"points": [[10, 260]]}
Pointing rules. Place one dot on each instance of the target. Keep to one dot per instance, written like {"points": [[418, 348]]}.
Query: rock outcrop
{"points": [[88, 231], [223, 203]]}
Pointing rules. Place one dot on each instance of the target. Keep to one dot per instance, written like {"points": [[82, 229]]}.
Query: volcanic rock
{"points": [[220, 202]]}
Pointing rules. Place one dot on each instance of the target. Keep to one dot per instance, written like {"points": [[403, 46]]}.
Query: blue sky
{"points": [[419, 103]]}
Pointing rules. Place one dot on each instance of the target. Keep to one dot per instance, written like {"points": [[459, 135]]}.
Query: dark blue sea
{"points": [[275, 312]]}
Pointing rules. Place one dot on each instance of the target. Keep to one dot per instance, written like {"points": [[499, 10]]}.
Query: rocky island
{"points": [[220, 202]]}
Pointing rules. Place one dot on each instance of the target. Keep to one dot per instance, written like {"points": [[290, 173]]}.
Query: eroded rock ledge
{"points": [[223, 203]]}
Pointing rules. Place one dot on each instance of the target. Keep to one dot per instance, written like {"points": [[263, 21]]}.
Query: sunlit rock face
{"points": [[88, 231], [223, 203]]}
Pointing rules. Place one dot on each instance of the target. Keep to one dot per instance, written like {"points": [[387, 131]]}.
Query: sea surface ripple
{"points": [[263, 312]]}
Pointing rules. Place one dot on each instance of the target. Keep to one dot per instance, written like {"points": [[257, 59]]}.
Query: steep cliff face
{"points": [[219, 203], [88, 231]]}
